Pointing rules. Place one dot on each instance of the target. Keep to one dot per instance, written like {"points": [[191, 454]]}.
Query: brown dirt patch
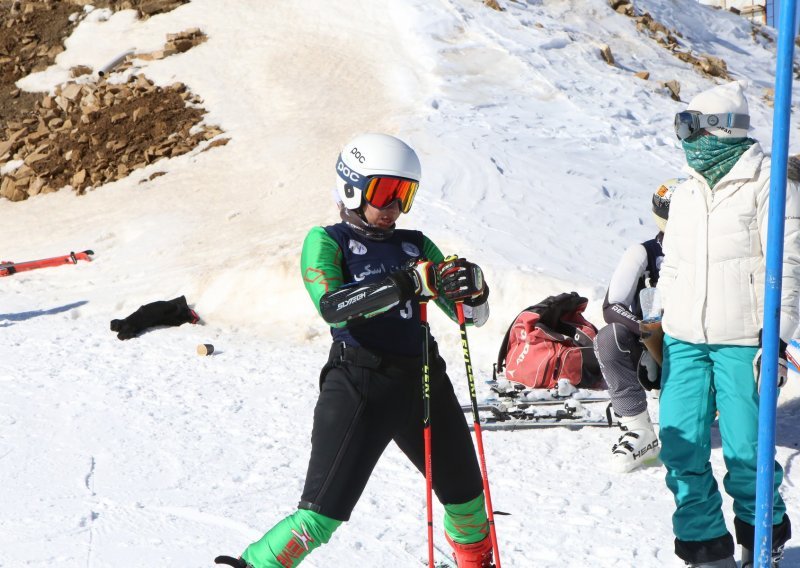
{"points": [[88, 135], [31, 36], [91, 133]]}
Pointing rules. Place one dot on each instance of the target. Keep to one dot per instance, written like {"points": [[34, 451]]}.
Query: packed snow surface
{"points": [[538, 163]]}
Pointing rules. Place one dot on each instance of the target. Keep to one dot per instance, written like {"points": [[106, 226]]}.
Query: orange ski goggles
{"points": [[381, 192]]}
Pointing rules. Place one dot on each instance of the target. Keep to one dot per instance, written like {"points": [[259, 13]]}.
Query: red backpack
{"points": [[549, 341]]}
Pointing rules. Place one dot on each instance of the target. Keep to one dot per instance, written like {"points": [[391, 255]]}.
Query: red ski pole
{"points": [[478, 435], [426, 424]]}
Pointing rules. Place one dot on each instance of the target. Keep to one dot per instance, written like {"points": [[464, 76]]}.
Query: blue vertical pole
{"points": [[772, 294]]}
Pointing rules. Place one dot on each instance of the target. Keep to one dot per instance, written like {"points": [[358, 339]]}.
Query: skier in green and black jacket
{"points": [[367, 278]]}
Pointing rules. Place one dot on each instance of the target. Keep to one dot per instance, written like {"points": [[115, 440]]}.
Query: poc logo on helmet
{"points": [[358, 155], [347, 173]]}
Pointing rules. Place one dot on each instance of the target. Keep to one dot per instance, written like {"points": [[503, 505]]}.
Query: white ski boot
{"points": [[724, 563], [638, 446]]}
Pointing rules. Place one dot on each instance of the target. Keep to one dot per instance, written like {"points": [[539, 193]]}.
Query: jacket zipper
{"points": [[753, 301]]}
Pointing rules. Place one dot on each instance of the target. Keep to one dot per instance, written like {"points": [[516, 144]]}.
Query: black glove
{"points": [[460, 281], [125, 329], [231, 561], [783, 367], [170, 313], [418, 278]]}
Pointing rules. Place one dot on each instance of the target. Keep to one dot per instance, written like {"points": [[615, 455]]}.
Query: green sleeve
{"points": [[432, 253], [321, 265]]}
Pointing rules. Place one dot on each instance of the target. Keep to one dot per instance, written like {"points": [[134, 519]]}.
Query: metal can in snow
{"points": [[205, 349]]}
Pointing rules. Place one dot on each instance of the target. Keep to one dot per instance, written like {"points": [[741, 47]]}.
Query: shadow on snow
{"points": [[10, 319]]}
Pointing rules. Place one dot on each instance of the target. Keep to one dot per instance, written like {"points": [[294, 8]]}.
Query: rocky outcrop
{"points": [[91, 134], [90, 131], [669, 39]]}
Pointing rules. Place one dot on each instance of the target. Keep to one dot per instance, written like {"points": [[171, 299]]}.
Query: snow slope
{"points": [[538, 163]]}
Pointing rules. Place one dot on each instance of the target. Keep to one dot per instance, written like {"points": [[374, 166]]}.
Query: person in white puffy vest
{"points": [[712, 289]]}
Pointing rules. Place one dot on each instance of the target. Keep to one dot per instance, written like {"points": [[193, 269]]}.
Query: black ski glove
{"points": [[125, 329], [462, 281], [418, 278], [231, 561], [170, 313], [783, 367]]}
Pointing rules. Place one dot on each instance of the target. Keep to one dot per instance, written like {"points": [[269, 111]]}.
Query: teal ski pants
{"points": [[697, 381]]}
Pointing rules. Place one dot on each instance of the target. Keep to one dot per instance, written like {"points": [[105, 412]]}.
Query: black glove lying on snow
{"points": [[171, 312]]}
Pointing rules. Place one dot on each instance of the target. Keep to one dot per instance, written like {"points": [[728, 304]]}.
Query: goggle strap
{"points": [[691, 121], [732, 120], [349, 176], [738, 120]]}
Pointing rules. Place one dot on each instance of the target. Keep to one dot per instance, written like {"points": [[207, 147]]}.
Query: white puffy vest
{"points": [[712, 277]]}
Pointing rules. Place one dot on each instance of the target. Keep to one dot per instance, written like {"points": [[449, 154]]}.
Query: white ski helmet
{"points": [[728, 103], [661, 199], [374, 156]]}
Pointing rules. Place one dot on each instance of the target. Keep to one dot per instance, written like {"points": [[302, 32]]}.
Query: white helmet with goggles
{"points": [[661, 199], [378, 169], [721, 111]]}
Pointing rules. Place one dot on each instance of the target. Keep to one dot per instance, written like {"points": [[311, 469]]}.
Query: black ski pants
{"points": [[367, 400]]}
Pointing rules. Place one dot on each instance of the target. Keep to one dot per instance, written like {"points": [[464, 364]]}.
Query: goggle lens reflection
{"points": [[381, 192]]}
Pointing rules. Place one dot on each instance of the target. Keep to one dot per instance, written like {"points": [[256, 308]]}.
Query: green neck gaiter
{"points": [[713, 157]]}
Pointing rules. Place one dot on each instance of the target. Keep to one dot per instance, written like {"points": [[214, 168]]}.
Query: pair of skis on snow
{"points": [[514, 407], [10, 268]]}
